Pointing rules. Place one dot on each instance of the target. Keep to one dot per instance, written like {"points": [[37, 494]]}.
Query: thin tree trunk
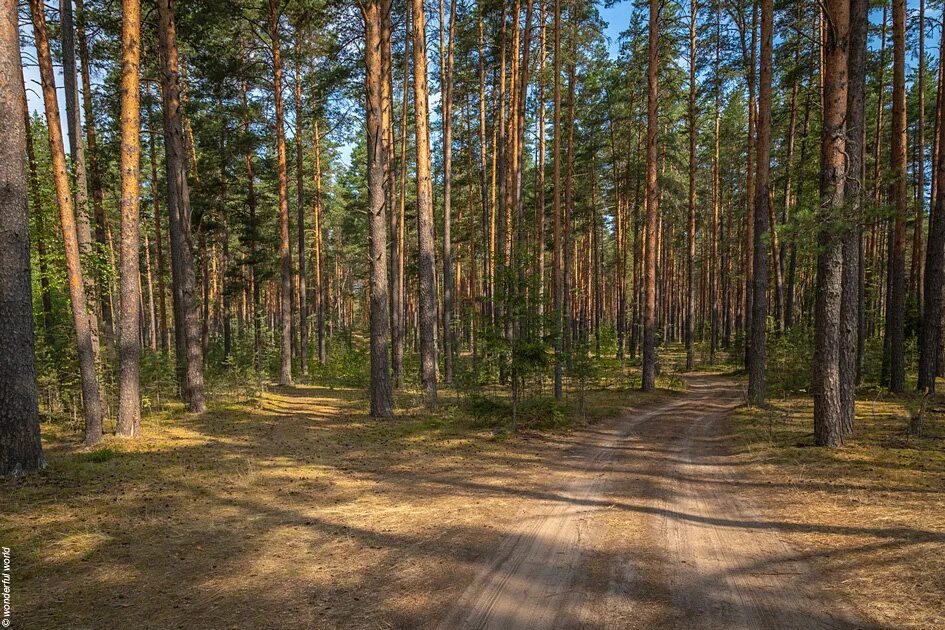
{"points": [[446, 78], [557, 257], [691, 233], [80, 312], [788, 197], [715, 263], [158, 238], [321, 285], [427, 244], [152, 305], [401, 316], [652, 203], [896, 301], [94, 172], [253, 237], [285, 251], [77, 160], [300, 209], [486, 207], [540, 150], [916, 271]]}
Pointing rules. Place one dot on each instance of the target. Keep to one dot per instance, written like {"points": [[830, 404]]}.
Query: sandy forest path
{"points": [[645, 523]]}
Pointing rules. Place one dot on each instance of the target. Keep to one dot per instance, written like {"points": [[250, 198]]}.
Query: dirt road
{"points": [[644, 524]]}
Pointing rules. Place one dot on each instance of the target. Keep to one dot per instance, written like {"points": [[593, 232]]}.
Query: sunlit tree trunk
{"points": [[129, 345], [300, 208], [483, 168], [285, 251], [381, 404], [427, 305], [80, 313], [652, 203], [715, 263], [77, 161], [828, 427]]}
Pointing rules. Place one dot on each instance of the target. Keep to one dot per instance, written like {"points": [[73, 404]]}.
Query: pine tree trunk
{"points": [[691, 233], [253, 237], [381, 404], [186, 320], [321, 286], [80, 312], [828, 427], [158, 241], [77, 161], [557, 287], [896, 302], [94, 172], [446, 78], [853, 197], [762, 214], [427, 245], [652, 203], [129, 345], [916, 270], [540, 184], [930, 333], [20, 447], [397, 227], [300, 210], [716, 264], [285, 251]]}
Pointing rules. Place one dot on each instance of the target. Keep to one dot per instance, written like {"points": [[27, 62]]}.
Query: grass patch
{"points": [[99, 456]]}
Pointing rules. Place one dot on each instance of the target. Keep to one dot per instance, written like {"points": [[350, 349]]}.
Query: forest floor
{"points": [[293, 508]]}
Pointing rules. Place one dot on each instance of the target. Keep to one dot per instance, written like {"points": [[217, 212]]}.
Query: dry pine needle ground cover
{"points": [[294, 506], [870, 515]]}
